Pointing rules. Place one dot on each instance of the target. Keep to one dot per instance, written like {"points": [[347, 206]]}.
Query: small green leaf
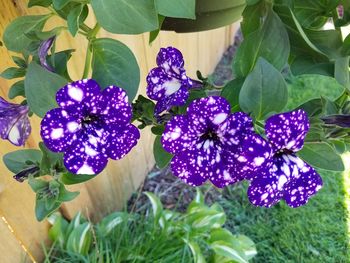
{"points": [[17, 89], [264, 91], [196, 252], [80, 239], [73, 19], [270, 42], [231, 91], [41, 87], [224, 249], [110, 222], [65, 195], [157, 206], [58, 229], [37, 184], [13, 73], [41, 210], [44, 3], [321, 155], [59, 4], [179, 8], [59, 61], [154, 34], [18, 160], [161, 156], [19, 62], [69, 178], [14, 36], [115, 64], [133, 16]]}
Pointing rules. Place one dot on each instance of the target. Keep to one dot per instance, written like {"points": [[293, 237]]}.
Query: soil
{"points": [[173, 193]]}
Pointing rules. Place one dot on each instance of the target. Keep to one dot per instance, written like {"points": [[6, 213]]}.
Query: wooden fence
{"points": [[21, 236]]}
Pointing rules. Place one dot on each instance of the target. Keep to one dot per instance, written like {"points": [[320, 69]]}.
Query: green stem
{"points": [[87, 62], [94, 31], [85, 28]]}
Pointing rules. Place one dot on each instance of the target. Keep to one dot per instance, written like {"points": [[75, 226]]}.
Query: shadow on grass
{"points": [[316, 232]]}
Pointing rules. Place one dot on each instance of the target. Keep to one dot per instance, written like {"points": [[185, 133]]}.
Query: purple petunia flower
{"points": [[14, 122], [209, 143], [168, 84], [287, 176], [90, 126]]}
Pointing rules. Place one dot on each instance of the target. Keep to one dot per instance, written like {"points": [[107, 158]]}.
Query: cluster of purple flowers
{"points": [[211, 143], [208, 142]]}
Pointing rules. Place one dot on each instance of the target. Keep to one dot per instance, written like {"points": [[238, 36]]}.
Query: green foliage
{"points": [[180, 8], [161, 156], [17, 89], [168, 236], [264, 91], [41, 87], [22, 159], [114, 64]]}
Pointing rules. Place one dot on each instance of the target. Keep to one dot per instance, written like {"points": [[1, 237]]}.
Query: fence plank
{"points": [[109, 190]]}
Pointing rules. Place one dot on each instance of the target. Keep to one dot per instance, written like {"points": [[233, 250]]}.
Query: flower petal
{"points": [[80, 158], [58, 129], [234, 129], [208, 112], [188, 165], [305, 183], [70, 96], [121, 140], [20, 131], [177, 135], [287, 130], [158, 81], [177, 99], [116, 107], [171, 60]]}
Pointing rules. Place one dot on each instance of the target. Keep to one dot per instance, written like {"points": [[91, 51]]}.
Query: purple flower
{"points": [[287, 176], [90, 126], [168, 84], [209, 143], [43, 51], [14, 122]]}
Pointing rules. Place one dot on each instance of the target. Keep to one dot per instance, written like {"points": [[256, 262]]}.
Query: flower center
{"points": [[88, 120], [209, 135]]}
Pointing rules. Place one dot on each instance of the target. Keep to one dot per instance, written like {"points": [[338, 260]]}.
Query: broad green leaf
{"points": [[18, 160], [161, 156], [14, 36], [314, 14], [80, 239], [264, 91], [270, 42], [341, 71], [197, 254], [224, 249], [308, 65], [58, 229], [17, 89], [154, 34], [41, 87], [59, 4], [69, 178], [50, 160], [114, 64], [65, 195], [179, 8], [13, 73], [339, 146], [126, 16], [59, 61], [73, 19], [41, 210], [321, 155], [252, 17], [20, 62], [37, 184], [304, 88], [231, 91]]}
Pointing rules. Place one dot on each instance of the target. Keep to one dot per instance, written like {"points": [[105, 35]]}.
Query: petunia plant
{"points": [[282, 118]]}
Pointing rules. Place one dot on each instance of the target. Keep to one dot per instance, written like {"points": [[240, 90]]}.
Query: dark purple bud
{"points": [[340, 10], [340, 120], [43, 51], [24, 174], [14, 122]]}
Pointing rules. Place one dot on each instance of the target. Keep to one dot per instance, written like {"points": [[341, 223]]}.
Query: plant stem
{"points": [[87, 61]]}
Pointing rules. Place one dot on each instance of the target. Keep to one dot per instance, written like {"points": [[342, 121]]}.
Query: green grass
{"points": [[316, 232]]}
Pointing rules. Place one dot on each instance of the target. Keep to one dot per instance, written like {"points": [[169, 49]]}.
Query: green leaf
{"points": [[80, 239], [133, 16], [110, 222], [65, 195], [59, 4], [44, 3], [224, 249], [69, 178], [157, 206], [339, 146], [304, 88], [321, 155], [59, 62], [14, 36], [341, 71], [41, 210], [37, 184], [50, 160], [231, 91], [13, 73], [154, 34], [19, 62], [41, 87], [17, 89], [179, 8], [73, 19], [58, 229], [161, 156], [252, 17], [264, 91], [18, 160], [114, 64], [270, 42], [196, 252]]}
